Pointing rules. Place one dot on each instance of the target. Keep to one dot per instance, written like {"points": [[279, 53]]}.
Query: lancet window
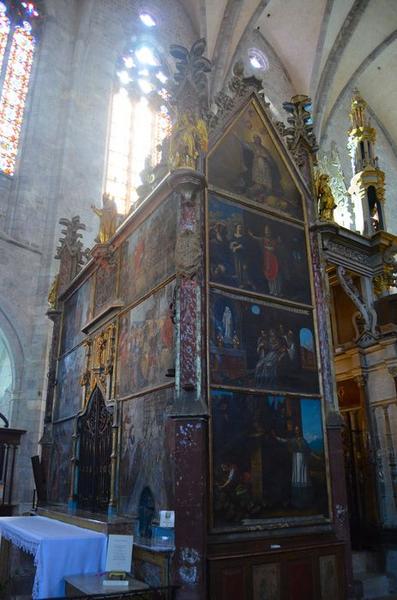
{"points": [[136, 129], [17, 47], [6, 381]]}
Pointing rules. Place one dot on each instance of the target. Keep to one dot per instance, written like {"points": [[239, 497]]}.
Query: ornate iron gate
{"points": [[95, 447]]}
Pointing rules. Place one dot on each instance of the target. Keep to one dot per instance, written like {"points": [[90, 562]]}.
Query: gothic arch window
{"points": [[6, 379], [136, 130], [17, 48]]}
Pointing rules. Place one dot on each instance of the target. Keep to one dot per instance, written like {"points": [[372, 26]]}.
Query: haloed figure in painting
{"points": [[261, 177]]}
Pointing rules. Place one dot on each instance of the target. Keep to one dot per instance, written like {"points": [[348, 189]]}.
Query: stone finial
{"points": [[190, 89], [300, 130], [70, 251], [299, 134]]}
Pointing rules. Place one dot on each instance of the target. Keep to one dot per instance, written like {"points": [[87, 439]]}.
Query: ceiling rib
{"points": [[376, 52], [331, 65]]}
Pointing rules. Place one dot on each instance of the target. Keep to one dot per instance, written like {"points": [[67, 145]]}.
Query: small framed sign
{"points": [[119, 553], [167, 518]]}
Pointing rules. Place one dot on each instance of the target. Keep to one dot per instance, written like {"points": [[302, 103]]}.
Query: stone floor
{"points": [[372, 580]]}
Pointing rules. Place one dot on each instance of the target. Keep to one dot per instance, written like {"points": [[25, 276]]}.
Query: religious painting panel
{"points": [[105, 283], [145, 457], [246, 163], [261, 345], [147, 256], [60, 463], [146, 343], [68, 389], [266, 582], [268, 458], [76, 313], [251, 251]]}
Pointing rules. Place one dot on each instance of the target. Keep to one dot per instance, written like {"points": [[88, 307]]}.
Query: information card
{"points": [[119, 553]]}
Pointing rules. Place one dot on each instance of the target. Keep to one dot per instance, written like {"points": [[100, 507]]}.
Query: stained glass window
{"points": [[136, 130], [17, 45]]}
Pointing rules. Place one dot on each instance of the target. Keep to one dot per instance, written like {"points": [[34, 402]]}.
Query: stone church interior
{"points": [[198, 299]]}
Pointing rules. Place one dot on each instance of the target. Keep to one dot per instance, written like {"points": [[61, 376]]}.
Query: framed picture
{"points": [[253, 252], [268, 457], [246, 163], [261, 345]]}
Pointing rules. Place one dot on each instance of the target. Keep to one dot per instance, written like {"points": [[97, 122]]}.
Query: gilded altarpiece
{"points": [[117, 337], [268, 452]]}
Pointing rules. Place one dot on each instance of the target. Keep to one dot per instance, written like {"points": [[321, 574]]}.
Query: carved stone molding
{"points": [[299, 134], [346, 252], [365, 319], [100, 357]]}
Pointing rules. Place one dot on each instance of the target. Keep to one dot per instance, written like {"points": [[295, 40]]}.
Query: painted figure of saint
{"points": [[272, 350], [262, 175], [239, 247], [221, 259], [301, 486], [271, 263], [227, 322]]}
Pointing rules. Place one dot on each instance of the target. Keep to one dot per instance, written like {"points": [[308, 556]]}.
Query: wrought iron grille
{"points": [[95, 447]]}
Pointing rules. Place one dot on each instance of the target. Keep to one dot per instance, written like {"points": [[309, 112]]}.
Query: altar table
{"points": [[58, 550]]}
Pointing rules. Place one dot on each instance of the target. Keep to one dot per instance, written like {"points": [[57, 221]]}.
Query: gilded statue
{"points": [[189, 138], [108, 219], [325, 198], [53, 293]]}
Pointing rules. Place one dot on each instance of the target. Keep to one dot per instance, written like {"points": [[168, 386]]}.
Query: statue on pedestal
{"points": [[189, 138], [108, 219], [326, 202]]}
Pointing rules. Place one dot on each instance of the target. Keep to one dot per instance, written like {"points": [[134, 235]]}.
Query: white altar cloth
{"points": [[58, 549]]}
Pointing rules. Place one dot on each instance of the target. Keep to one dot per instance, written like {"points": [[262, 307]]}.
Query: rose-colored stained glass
{"points": [[13, 97]]}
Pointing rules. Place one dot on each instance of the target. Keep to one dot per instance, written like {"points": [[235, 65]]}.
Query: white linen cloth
{"points": [[58, 549]]}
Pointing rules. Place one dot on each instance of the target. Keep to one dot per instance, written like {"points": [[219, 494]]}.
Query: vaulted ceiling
{"points": [[325, 46]]}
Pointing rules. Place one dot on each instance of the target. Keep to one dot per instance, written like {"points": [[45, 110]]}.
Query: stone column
{"points": [[188, 415]]}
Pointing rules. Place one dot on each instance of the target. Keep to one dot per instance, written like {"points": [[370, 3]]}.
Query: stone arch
{"points": [[13, 348]]}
